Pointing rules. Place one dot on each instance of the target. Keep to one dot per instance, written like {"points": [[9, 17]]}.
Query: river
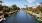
{"points": [[20, 17]]}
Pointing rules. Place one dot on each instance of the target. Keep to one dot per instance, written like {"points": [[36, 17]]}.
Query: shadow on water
{"points": [[20, 17]]}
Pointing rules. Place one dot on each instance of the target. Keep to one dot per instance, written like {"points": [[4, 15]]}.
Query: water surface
{"points": [[20, 17]]}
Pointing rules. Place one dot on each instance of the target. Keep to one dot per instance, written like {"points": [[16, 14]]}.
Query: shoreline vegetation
{"points": [[5, 11], [36, 13]]}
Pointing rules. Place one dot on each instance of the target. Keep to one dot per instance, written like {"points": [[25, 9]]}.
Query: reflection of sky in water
{"points": [[20, 17]]}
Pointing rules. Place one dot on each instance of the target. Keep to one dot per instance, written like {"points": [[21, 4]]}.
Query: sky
{"points": [[21, 3]]}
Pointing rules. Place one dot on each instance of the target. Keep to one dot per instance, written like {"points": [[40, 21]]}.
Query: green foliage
{"points": [[15, 7], [41, 9], [11, 9], [30, 8], [1, 8]]}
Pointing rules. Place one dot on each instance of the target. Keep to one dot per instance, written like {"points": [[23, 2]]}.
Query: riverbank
{"points": [[36, 16], [9, 13], [20, 17], [3, 17], [13, 12]]}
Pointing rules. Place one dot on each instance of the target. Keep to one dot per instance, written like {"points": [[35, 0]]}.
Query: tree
{"points": [[6, 9], [14, 6], [1, 7], [30, 8], [41, 9]]}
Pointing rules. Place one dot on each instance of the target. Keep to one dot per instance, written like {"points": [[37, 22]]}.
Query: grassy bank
{"points": [[37, 16]]}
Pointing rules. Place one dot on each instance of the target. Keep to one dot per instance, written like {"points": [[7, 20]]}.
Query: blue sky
{"points": [[21, 3]]}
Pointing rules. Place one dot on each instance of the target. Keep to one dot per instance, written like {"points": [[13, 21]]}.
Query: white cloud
{"points": [[31, 1]]}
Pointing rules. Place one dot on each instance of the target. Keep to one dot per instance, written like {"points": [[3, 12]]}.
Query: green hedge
{"points": [[41, 9]]}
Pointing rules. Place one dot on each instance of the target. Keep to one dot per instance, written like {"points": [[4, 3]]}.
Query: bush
{"points": [[41, 9]]}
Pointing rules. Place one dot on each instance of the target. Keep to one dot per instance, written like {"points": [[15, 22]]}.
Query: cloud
{"points": [[31, 1]]}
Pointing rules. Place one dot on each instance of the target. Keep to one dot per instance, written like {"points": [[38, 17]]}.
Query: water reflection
{"points": [[20, 17]]}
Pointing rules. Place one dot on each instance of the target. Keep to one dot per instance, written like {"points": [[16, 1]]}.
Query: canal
{"points": [[20, 17]]}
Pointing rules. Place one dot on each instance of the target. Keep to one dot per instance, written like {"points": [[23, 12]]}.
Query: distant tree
{"points": [[18, 8], [15, 7], [30, 8]]}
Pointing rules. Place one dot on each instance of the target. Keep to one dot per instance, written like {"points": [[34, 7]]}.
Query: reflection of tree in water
{"points": [[15, 14]]}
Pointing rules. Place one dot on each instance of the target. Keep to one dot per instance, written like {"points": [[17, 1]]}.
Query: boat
{"points": [[2, 19], [38, 19]]}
